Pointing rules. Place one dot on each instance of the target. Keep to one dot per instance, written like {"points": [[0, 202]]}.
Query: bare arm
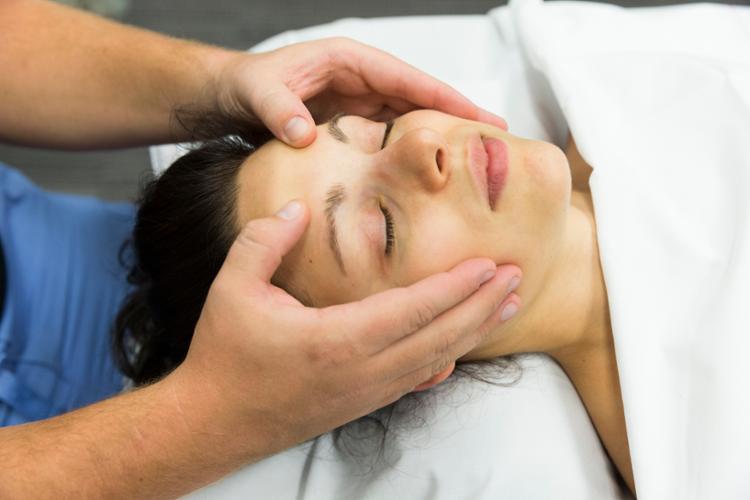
{"points": [[160, 441], [73, 80]]}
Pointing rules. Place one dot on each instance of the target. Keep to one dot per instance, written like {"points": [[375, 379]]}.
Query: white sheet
{"points": [[660, 107], [532, 441]]}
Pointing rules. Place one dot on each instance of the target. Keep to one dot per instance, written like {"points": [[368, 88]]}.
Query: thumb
{"points": [[284, 113], [260, 246]]}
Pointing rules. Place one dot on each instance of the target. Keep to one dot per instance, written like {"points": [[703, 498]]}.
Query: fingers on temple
{"points": [[404, 86], [456, 332], [391, 76]]}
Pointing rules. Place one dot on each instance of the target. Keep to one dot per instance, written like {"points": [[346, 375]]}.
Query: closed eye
{"points": [[389, 229]]}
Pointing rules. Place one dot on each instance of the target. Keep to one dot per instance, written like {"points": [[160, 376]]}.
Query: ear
{"points": [[436, 379]]}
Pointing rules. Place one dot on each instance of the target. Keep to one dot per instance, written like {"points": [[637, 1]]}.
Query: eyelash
{"points": [[389, 233]]}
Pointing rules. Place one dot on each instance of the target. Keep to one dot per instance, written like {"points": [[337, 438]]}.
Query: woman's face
{"points": [[387, 217]]}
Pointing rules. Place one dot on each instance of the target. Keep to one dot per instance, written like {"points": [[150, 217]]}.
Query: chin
{"points": [[548, 167]]}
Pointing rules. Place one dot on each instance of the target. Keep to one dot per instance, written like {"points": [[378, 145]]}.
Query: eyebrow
{"points": [[335, 131], [334, 197]]}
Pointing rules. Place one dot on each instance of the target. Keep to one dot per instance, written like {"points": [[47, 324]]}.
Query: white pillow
{"points": [[533, 440]]}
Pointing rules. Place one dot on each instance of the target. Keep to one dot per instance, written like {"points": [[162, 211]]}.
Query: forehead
{"points": [[276, 174]]}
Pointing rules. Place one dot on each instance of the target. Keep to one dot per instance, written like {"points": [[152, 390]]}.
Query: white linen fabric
{"points": [[660, 107], [469, 441], [658, 100]]}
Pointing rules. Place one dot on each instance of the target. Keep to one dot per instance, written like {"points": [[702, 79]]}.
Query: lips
{"points": [[488, 162], [497, 168]]}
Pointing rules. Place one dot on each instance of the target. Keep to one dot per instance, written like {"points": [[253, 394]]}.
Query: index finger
{"points": [[390, 76], [378, 321]]}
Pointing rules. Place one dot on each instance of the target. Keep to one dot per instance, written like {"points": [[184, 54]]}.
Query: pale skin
{"points": [[543, 222]]}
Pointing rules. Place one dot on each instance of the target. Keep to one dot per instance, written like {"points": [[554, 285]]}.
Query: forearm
{"points": [[148, 443], [72, 80]]}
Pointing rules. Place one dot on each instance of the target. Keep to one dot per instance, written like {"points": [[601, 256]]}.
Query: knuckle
{"points": [[251, 238], [446, 341], [328, 352], [317, 351], [268, 101], [252, 232], [343, 353], [343, 50], [434, 368], [342, 41], [484, 331], [420, 316]]}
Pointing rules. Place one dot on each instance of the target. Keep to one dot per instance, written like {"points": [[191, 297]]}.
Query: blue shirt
{"points": [[64, 286]]}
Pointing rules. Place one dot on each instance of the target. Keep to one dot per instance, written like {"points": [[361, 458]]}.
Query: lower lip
{"points": [[497, 168]]}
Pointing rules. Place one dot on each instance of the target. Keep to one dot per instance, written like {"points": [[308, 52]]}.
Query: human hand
{"points": [[266, 365], [287, 87]]}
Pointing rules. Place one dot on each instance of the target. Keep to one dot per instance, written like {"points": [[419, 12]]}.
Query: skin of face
{"points": [[422, 177]]}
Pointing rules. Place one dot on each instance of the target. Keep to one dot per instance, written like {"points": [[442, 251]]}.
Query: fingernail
{"points": [[296, 129], [514, 283], [290, 211], [488, 275], [510, 310]]}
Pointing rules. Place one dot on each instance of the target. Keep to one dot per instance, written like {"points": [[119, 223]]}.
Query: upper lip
{"points": [[478, 162]]}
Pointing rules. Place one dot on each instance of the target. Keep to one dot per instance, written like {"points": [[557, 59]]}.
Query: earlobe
{"points": [[436, 379]]}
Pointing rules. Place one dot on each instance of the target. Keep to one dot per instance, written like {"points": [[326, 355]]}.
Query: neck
{"points": [[577, 294]]}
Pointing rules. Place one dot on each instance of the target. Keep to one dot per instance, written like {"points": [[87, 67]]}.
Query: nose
{"points": [[421, 155]]}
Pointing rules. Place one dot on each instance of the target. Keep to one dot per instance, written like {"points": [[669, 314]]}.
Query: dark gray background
{"points": [[233, 23]]}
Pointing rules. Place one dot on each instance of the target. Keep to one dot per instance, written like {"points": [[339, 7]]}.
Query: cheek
{"points": [[533, 216], [439, 242], [549, 179], [540, 212]]}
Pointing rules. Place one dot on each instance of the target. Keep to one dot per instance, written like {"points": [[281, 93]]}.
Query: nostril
{"points": [[439, 160]]}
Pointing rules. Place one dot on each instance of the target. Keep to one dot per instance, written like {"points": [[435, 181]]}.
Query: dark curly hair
{"points": [[185, 225]]}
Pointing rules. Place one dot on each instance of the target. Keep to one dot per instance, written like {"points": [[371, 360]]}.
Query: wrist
{"points": [[214, 419], [199, 100]]}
